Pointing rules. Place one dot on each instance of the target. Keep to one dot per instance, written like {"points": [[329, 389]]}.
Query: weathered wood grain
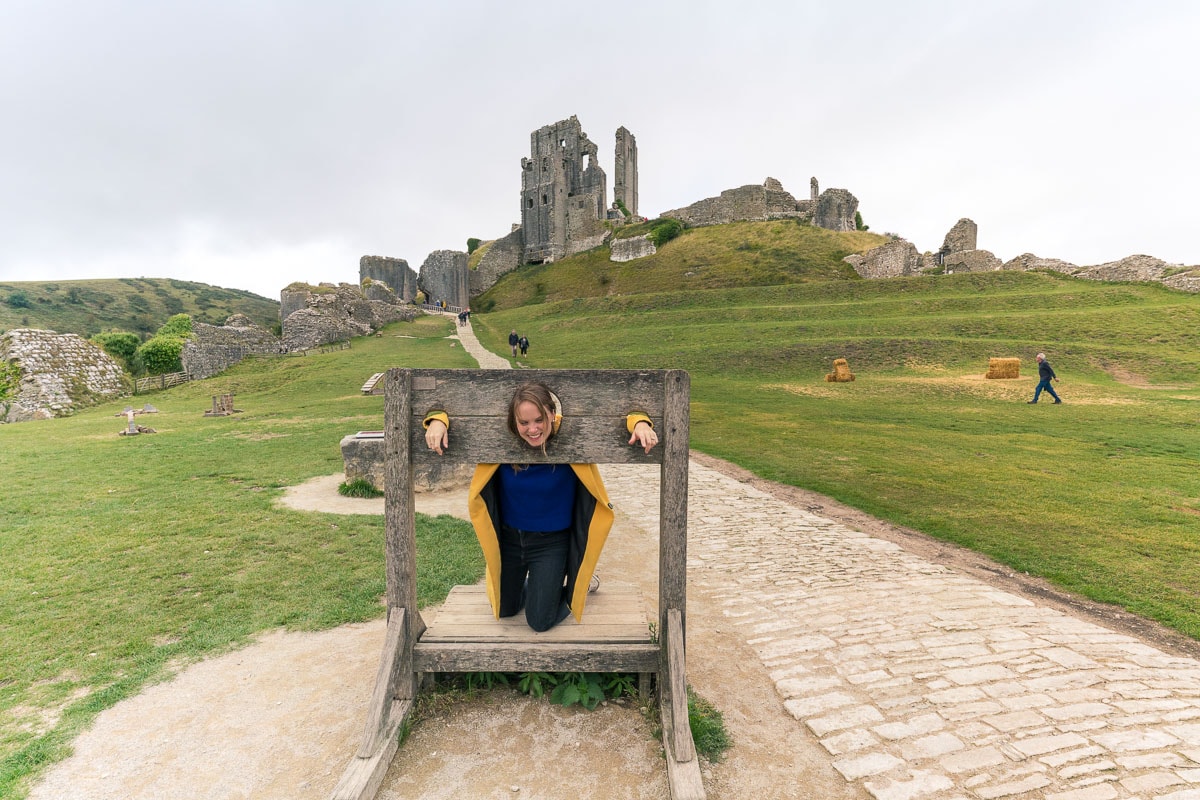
{"points": [[535, 657]]}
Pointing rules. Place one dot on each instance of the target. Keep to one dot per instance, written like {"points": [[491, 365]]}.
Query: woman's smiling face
{"points": [[533, 426]]}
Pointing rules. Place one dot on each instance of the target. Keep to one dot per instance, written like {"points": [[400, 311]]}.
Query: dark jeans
{"points": [[1044, 384], [533, 566]]}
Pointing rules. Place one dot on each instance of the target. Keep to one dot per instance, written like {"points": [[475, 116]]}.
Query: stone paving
{"points": [[923, 683]]}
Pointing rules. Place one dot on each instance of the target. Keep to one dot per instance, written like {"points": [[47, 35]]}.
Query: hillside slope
{"points": [[137, 305], [737, 254]]}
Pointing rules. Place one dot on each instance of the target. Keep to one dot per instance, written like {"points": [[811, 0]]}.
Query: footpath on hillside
{"points": [[850, 660]]}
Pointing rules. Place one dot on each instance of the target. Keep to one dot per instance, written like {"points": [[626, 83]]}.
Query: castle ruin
{"points": [[563, 193]]}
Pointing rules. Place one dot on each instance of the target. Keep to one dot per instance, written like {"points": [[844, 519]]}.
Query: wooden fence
{"points": [[164, 381]]}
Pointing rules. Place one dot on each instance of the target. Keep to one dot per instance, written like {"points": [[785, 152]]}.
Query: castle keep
{"points": [[563, 193]]}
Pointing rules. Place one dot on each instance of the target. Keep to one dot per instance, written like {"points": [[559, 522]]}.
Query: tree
{"points": [[18, 300]]}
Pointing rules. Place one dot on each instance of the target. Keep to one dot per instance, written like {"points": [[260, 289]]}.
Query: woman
{"points": [[541, 526]]}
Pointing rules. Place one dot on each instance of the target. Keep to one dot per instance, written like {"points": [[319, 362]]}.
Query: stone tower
{"points": [[625, 177], [563, 193]]}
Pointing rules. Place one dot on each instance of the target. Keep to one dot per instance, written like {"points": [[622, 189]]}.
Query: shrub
{"points": [[161, 354], [623, 209], [473, 245], [118, 344], [10, 379], [178, 325], [664, 230], [18, 300], [858, 223]]}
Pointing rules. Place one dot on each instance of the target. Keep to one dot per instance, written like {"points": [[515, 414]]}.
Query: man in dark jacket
{"points": [[512, 341], [1045, 375]]}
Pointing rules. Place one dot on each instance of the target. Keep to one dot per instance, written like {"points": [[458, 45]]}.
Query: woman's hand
{"points": [[644, 435], [437, 436]]}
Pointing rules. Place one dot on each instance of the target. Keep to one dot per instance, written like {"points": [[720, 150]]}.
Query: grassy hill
{"points": [[739, 254], [137, 305], [1100, 495]]}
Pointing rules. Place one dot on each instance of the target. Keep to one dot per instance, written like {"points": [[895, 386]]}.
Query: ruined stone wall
{"points": [[836, 210], [337, 313], [213, 349], [394, 272], [1130, 268], [1028, 261], [751, 202], [563, 190], [893, 259], [625, 176], [963, 236], [444, 276], [292, 298], [60, 372], [631, 248], [502, 256], [971, 261]]}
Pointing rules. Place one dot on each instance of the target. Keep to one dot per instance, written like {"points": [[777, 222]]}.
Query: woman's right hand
{"points": [[437, 436]]}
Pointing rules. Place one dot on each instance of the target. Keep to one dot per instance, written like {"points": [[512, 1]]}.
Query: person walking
{"points": [[523, 343], [1045, 375], [513, 339]]}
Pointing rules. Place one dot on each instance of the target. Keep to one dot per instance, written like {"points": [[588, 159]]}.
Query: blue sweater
{"points": [[539, 497]]}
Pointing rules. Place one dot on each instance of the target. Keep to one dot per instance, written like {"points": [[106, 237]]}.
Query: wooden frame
{"points": [[595, 403]]}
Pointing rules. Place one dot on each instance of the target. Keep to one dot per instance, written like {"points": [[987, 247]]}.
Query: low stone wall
{"points": [[59, 373], [631, 248], [971, 261], [897, 257], [213, 349], [363, 455]]}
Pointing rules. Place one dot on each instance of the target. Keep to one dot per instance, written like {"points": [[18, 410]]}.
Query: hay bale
{"points": [[841, 372], [1003, 368]]}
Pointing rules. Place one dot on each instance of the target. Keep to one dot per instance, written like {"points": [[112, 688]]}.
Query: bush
{"points": [[118, 344], [161, 354], [10, 380], [664, 230], [858, 223], [473, 245], [18, 300], [179, 325]]}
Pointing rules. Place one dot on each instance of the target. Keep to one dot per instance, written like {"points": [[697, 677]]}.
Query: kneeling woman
{"points": [[541, 526]]}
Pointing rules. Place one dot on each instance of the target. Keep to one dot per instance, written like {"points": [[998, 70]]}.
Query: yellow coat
{"points": [[592, 519]]}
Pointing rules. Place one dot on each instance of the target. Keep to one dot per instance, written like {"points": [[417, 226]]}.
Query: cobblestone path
{"points": [[922, 682]]}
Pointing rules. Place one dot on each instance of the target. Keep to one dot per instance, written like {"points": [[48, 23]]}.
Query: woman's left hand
{"points": [[644, 436]]}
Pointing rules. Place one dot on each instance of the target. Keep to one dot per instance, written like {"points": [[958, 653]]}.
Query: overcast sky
{"points": [[251, 144]]}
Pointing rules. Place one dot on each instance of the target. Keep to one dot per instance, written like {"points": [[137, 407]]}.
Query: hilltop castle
{"points": [[565, 210]]}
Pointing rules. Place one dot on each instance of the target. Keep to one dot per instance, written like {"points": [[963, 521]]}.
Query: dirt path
{"points": [[282, 718]]}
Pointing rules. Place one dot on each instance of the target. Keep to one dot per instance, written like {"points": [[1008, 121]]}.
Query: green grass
{"points": [[136, 305], [127, 555], [1100, 495]]}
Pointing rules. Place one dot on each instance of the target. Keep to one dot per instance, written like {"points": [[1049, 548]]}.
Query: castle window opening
{"points": [[529, 202], [545, 200]]}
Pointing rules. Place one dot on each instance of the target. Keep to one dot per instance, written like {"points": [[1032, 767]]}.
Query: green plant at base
{"points": [[858, 223], [359, 487], [535, 684], [623, 208], [578, 687], [484, 680], [708, 727], [473, 245], [118, 344], [620, 684]]}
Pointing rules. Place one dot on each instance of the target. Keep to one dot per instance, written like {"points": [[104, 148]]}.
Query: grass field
{"points": [[1101, 495], [132, 555], [125, 556]]}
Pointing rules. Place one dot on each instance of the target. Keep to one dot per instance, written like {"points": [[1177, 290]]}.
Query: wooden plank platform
{"points": [[612, 616]]}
